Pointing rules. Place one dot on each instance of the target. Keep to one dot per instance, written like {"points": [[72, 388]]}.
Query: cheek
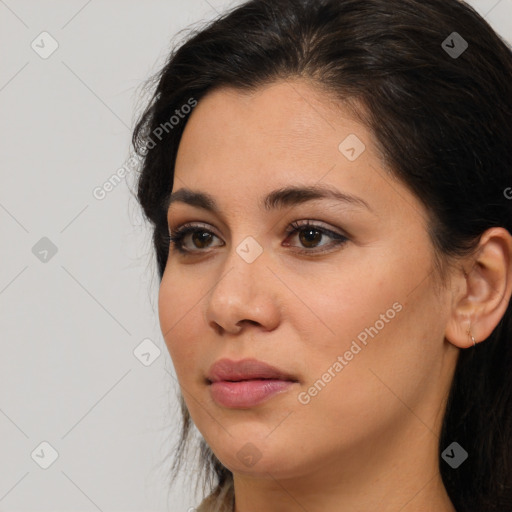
{"points": [[380, 322], [367, 295], [361, 398], [343, 306], [177, 310]]}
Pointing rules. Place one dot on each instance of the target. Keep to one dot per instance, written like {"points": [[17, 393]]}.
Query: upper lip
{"points": [[246, 369]]}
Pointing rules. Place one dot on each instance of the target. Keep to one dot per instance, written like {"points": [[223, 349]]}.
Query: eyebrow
{"points": [[277, 199]]}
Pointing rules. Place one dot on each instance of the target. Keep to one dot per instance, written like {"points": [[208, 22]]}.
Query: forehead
{"points": [[282, 126]]}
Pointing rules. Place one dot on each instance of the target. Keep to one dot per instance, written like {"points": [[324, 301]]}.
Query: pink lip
{"points": [[246, 393], [246, 383]]}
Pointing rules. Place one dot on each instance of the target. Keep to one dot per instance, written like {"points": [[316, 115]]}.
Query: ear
{"points": [[481, 293]]}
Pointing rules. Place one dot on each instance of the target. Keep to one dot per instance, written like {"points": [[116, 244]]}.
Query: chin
{"points": [[259, 456]]}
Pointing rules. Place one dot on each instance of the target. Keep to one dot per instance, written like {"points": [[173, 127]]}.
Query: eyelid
{"points": [[338, 237], [317, 224], [298, 223], [192, 224]]}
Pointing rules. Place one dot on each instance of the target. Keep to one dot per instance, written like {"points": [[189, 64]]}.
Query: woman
{"points": [[329, 186]]}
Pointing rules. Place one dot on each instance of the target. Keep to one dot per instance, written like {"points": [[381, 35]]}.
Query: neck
{"points": [[402, 474]]}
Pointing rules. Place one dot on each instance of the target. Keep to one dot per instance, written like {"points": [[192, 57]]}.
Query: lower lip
{"points": [[246, 393]]}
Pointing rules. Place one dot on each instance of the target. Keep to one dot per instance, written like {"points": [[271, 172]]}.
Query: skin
{"points": [[369, 438]]}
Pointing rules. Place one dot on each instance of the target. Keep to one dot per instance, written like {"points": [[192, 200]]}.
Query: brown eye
{"points": [[202, 238], [310, 237]]}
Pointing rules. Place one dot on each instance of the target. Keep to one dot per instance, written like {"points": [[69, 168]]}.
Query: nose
{"points": [[243, 294]]}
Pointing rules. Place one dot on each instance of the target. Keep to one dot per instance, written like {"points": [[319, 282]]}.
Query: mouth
{"points": [[246, 383], [244, 380], [246, 369]]}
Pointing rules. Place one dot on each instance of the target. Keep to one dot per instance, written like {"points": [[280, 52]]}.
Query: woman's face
{"points": [[347, 307]]}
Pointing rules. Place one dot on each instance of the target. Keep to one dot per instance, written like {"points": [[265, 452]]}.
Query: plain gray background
{"points": [[87, 386]]}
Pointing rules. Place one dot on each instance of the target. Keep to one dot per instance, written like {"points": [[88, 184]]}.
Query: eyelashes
{"points": [[312, 233]]}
